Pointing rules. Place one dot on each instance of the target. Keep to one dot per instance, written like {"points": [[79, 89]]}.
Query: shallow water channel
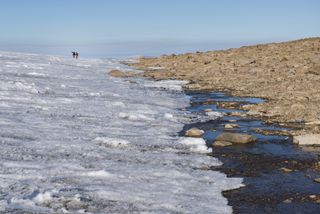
{"points": [[268, 188]]}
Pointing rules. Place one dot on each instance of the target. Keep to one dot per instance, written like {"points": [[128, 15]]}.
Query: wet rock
{"points": [[285, 170], [236, 138], [317, 180], [221, 144], [287, 201], [231, 126], [118, 73], [312, 196], [307, 139], [194, 132]]}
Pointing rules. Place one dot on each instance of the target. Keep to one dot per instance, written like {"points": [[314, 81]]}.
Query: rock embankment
{"points": [[286, 74]]}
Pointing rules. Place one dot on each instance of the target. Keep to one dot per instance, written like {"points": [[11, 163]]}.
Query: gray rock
{"points": [[236, 138], [307, 140]]}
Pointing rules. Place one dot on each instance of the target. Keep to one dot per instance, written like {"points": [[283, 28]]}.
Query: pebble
{"points": [[285, 170]]}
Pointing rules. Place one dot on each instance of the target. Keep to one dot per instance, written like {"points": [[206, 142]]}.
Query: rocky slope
{"points": [[287, 74]]}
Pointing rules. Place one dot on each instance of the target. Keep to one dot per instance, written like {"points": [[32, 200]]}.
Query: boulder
{"points": [[194, 132], [221, 144], [307, 139], [236, 138]]}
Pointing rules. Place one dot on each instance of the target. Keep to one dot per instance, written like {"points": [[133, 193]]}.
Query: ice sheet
{"points": [[75, 140]]}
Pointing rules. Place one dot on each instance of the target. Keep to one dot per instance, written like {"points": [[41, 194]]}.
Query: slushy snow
{"points": [[75, 140]]}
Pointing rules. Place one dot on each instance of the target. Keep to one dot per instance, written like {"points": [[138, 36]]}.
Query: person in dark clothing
{"points": [[77, 55], [73, 54]]}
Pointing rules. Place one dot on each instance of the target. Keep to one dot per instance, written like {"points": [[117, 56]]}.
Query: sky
{"points": [[112, 28]]}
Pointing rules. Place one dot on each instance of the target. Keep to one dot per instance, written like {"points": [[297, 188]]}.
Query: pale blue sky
{"points": [[151, 27]]}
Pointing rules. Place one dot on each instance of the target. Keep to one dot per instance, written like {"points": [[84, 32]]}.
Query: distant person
{"points": [[77, 55], [73, 54]]}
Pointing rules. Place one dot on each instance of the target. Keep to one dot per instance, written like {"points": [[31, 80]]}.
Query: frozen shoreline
{"points": [[74, 139]]}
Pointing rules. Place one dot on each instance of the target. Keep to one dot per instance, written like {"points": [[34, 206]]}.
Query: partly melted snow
{"points": [[74, 140]]}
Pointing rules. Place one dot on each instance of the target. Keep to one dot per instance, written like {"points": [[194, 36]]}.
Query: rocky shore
{"points": [[286, 74], [252, 149]]}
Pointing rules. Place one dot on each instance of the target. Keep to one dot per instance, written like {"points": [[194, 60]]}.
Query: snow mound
{"points": [[195, 144], [134, 116]]}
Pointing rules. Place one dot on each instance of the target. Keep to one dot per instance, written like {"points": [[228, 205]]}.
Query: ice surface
{"points": [[175, 85], [75, 140], [106, 141]]}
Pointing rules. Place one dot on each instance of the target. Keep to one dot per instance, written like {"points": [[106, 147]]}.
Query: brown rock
{"points": [[194, 132], [236, 138], [231, 126], [317, 180], [221, 144]]}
